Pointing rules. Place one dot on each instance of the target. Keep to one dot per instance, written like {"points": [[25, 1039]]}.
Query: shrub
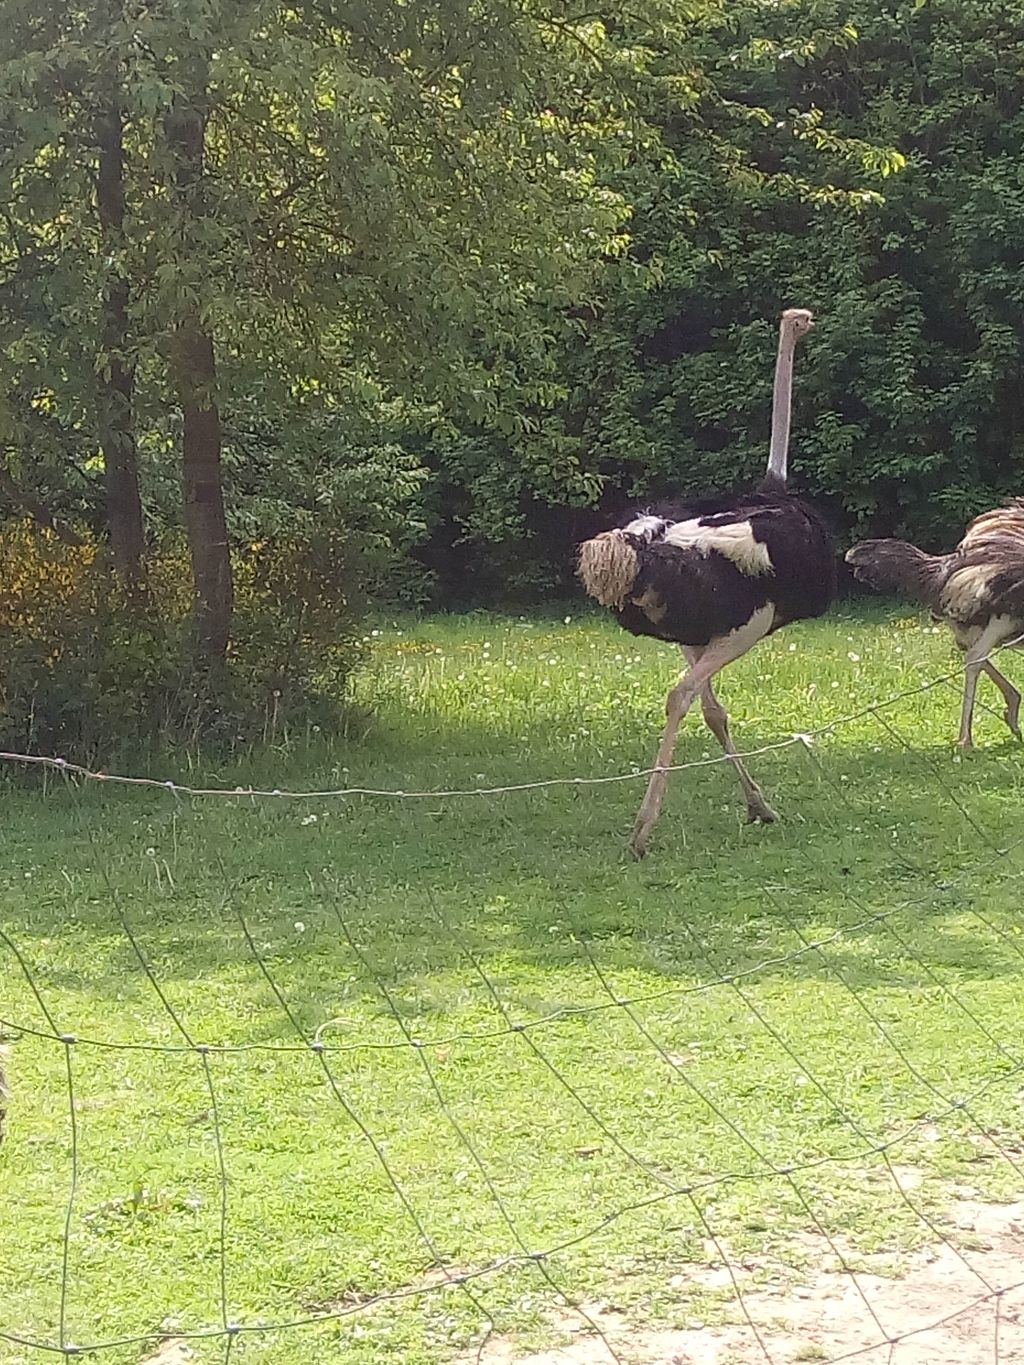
{"points": [[85, 668]]}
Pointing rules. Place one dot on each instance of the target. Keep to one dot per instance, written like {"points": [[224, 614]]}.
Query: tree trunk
{"points": [[116, 386], [205, 520], [194, 372]]}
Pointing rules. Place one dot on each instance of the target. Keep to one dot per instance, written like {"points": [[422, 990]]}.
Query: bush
{"points": [[85, 668]]}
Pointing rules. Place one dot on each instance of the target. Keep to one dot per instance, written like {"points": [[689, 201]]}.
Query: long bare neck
{"points": [[782, 406]]}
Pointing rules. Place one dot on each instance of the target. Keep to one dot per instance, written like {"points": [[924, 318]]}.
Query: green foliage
{"points": [[473, 267], [865, 164], [345, 470], [335, 196], [385, 190], [87, 670]]}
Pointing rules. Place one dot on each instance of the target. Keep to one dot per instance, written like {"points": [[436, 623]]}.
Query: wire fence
{"points": [[69, 769], [976, 1314]]}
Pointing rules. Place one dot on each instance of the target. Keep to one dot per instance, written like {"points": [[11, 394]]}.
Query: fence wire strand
{"points": [[463, 1138], [433, 1248], [70, 769], [531, 1033]]}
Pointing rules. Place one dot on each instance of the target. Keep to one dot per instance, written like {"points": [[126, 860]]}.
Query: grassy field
{"points": [[531, 1044]]}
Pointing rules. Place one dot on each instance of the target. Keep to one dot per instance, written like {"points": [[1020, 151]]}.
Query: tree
{"points": [[115, 384], [64, 304], [745, 197], [306, 193], [547, 237], [193, 372], [771, 189]]}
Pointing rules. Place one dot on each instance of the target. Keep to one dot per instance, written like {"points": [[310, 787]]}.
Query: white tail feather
{"points": [[608, 568]]}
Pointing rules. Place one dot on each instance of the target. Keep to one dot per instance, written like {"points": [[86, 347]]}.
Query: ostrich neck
{"points": [[781, 407]]}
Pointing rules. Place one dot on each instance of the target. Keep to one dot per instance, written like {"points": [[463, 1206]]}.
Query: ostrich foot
{"points": [[638, 845], [1012, 717], [759, 812], [642, 831], [647, 816]]}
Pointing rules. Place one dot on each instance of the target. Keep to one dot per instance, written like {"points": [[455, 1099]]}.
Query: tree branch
{"points": [[38, 511]]}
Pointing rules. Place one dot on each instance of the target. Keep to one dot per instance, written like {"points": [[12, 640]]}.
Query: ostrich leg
{"points": [[1010, 695], [997, 630], [717, 720], [714, 658]]}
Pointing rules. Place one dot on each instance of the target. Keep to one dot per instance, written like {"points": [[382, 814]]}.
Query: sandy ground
{"points": [[953, 1307]]}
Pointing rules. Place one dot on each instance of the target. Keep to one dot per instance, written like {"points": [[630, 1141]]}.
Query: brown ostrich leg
{"points": [[1010, 695]]}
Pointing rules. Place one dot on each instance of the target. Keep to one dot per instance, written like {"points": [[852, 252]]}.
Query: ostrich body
{"points": [[715, 575], [978, 591]]}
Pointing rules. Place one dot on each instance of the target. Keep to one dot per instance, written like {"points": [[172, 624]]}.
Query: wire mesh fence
{"points": [[794, 1136]]}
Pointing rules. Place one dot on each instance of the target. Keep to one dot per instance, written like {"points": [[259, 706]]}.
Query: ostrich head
{"points": [[870, 560], [796, 322]]}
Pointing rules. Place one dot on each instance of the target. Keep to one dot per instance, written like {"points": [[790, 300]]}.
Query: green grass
{"points": [[630, 1138]]}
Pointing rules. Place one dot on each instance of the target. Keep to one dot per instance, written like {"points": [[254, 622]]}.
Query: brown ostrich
{"points": [[978, 591], [714, 575]]}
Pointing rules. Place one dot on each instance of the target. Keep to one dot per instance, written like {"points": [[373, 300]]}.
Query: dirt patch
{"points": [[170, 1351], [959, 1304]]}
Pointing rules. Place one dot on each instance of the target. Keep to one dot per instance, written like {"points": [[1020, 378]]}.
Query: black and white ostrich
{"points": [[978, 591], [716, 574]]}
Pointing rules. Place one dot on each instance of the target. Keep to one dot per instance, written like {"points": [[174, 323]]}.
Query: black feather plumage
{"points": [[688, 597]]}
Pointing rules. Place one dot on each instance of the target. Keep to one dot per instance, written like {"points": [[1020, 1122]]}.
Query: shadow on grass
{"points": [[885, 858]]}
